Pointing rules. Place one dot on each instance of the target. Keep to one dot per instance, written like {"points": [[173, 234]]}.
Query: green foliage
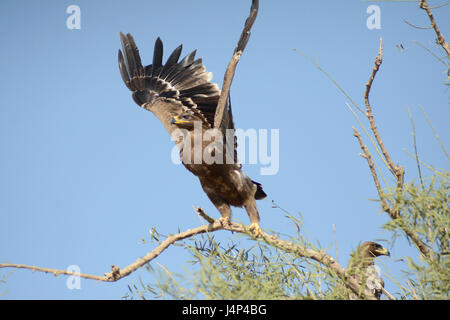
{"points": [[232, 272], [235, 273], [263, 272], [424, 209]]}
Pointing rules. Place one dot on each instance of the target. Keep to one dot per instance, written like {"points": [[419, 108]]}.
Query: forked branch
{"points": [[397, 171]]}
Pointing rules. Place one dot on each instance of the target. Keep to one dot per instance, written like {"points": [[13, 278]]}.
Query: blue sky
{"points": [[85, 173]]}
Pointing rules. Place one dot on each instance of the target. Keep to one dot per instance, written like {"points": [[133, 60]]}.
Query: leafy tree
{"points": [[418, 210]]}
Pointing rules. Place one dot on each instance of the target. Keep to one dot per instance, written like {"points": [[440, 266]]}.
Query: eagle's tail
{"points": [[186, 80], [259, 194]]}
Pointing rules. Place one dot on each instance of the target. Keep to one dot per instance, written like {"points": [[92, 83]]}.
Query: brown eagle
{"points": [[362, 265], [181, 96]]}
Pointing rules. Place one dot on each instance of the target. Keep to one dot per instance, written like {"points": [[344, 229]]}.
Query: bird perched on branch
{"points": [[181, 96], [362, 266]]}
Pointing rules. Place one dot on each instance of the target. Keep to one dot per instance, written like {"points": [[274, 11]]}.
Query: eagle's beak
{"points": [[177, 120], [384, 252]]}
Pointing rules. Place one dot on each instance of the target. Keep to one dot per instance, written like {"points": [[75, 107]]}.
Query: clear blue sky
{"points": [[85, 173]]}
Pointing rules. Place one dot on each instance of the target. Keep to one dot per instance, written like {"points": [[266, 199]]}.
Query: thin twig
{"points": [[432, 53], [436, 172], [316, 64], [440, 5], [413, 292], [335, 241], [416, 27], [387, 273], [181, 289], [415, 148], [231, 69], [302, 278], [390, 296], [434, 131]]}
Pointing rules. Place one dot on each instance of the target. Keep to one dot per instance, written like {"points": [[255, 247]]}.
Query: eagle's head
{"points": [[373, 249], [189, 120], [365, 255]]}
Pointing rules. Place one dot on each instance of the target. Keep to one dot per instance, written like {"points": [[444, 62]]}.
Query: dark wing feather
{"points": [[171, 61], [188, 59], [157, 57], [186, 81], [228, 131], [185, 84], [123, 70]]}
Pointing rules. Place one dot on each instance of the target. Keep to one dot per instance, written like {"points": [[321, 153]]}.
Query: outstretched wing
{"points": [[228, 132], [168, 89]]}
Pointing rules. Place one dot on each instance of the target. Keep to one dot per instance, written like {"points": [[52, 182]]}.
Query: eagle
{"points": [[362, 266], [181, 95]]}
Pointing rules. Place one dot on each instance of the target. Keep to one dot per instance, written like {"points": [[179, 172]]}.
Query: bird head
{"points": [[188, 119], [373, 249], [365, 254]]}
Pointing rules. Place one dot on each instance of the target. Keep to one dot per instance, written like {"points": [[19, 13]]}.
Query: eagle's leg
{"points": [[223, 208], [252, 211]]}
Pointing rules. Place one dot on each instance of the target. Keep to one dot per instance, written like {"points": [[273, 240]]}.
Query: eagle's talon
{"points": [[255, 229], [225, 221]]}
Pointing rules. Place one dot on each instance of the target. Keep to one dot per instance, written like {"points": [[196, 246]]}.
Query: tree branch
{"points": [[393, 213], [231, 69], [117, 273], [397, 171], [423, 4], [366, 155], [56, 272]]}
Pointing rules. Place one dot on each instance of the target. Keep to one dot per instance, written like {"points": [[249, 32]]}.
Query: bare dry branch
{"points": [[397, 171], [393, 212], [202, 214], [231, 69], [56, 272], [366, 154], [423, 4], [117, 273]]}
